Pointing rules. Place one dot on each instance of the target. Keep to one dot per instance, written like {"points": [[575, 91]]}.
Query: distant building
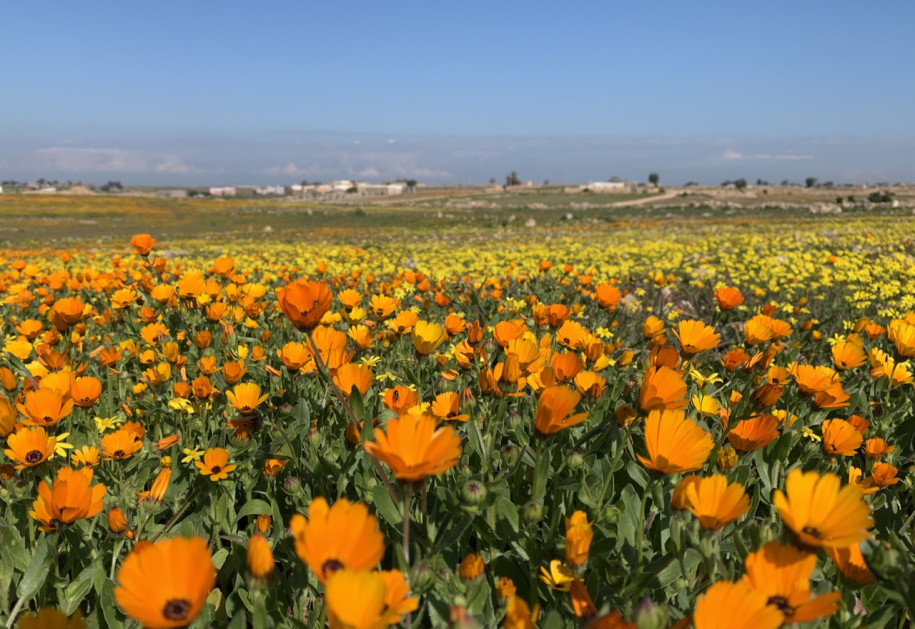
{"points": [[271, 190], [172, 194], [606, 186], [227, 191], [245, 191]]}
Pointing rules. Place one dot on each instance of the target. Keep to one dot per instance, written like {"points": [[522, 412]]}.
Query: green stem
{"points": [[640, 533], [405, 538]]}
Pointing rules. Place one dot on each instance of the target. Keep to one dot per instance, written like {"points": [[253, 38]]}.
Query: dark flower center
{"points": [[47, 419], [782, 603], [812, 531], [331, 566], [34, 456], [119, 454], [176, 609], [216, 469]]}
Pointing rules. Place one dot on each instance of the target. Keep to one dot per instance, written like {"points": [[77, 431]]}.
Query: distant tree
{"points": [[785, 182], [690, 184], [762, 182], [740, 184], [512, 179], [615, 179], [727, 183], [828, 184], [492, 180], [546, 182], [304, 183], [41, 181], [810, 182], [653, 178], [411, 184]]}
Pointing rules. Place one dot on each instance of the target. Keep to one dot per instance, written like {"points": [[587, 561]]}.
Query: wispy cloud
{"points": [[731, 154]]}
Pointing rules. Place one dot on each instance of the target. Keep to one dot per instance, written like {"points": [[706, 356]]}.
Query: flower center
{"points": [[216, 469], [176, 609], [34, 456], [812, 531], [48, 419], [782, 603], [331, 566], [119, 454]]}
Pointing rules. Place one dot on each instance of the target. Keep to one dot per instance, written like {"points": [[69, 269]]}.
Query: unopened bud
{"points": [[532, 512]]}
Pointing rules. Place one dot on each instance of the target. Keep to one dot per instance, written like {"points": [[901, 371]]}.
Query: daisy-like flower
{"points": [[192, 454], [559, 576], [107, 423], [215, 464], [61, 447]]}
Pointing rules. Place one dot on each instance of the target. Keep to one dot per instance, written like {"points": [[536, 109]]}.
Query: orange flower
{"points": [[607, 296], [45, 407], [754, 433], [50, 618], [662, 388], [165, 584], [715, 502], [157, 492], [382, 306], [851, 564], [8, 416], [414, 449], [85, 391], [471, 567], [582, 605], [120, 445], [259, 557], [553, 408], [876, 448], [590, 384], [447, 406], [214, 464], [167, 442], [69, 499], [142, 243], [342, 537], [728, 297], [735, 606], [367, 600], [566, 365], [352, 375], [294, 355], [811, 379], [820, 513], [578, 538], [87, 455], [400, 399], [783, 573], [696, 336], [29, 447], [848, 354], [67, 312], [246, 397], [840, 437], [884, 474], [675, 443], [506, 331], [304, 303]]}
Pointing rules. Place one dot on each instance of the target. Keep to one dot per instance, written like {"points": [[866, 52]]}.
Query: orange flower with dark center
{"points": [[344, 536], [45, 407], [820, 512], [590, 384], [728, 297], [120, 445], [841, 438], [352, 375], [400, 399], [715, 502], [382, 306], [851, 564], [696, 336], [448, 406], [85, 391], [662, 388], [246, 397], [165, 584], [215, 464], [370, 600], [305, 302], [783, 574], [811, 379], [735, 606], [68, 499], [754, 433], [675, 443], [142, 243], [848, 354], [507, 331], [566, 365], [553, 408], [413, 448], [833, 397], [29, 447]]}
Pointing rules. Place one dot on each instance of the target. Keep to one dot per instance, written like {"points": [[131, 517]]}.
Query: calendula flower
{"points": [[675, 443], [381, 599], [215, 464], [259, 557], [578, 538], [783, 574], [413, 448], [68, 499], [553, 410], [165, 584], [735, 606], [820, 512], [120, 445], [305, 302], [696, 336], [29, 447], [50, 618], [662, 388], [344, 536], [851, 564], [87, 455], [246, 397], [715, 502], [45, 407], [841, 438], [471, 567], [754, 433]]}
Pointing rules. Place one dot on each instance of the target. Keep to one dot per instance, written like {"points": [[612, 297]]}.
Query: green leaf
{"points": [[385, 506], [77, 590], [255, 506], [219, 557], [37, 572], [506, 510]]}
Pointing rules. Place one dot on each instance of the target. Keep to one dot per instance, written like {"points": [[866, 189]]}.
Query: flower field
{"points": [[650, 424]]}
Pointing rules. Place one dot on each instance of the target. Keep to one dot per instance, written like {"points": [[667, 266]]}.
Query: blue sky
{"points": [[231, 92]]}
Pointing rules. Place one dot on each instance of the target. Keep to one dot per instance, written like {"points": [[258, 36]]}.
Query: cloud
{"points": [[105, 160], [173, 165], [731, 154]]}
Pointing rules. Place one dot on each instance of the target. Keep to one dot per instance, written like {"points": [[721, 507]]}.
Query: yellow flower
{"points": [[808, 432], [387, 375], [559, 576], [370, 361], [702, 380], [107, 423], [181, 404], [61, 447], [192, 454]]}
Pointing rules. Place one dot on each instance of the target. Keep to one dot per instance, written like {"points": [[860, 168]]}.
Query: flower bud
{"points": [[423, 577], [532, 512], [263, 523], [726, 457], [509, 454], [259, 557], [650, 616], [576, 460], [117, 522], [473, 493]]}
